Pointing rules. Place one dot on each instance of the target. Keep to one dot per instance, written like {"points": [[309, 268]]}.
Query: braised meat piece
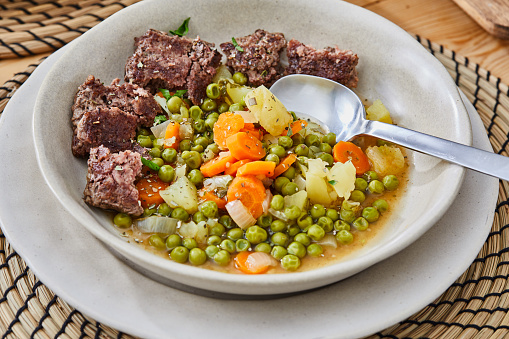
{"points": [[260, 57], [110, 180], [330, 63], [110, 127], [173, 63], [128, 97]]}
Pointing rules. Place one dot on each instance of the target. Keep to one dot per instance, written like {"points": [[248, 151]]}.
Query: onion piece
{"points": [[328, 240], [257, 260], [162, 102], [270, 139], [248, 117], [266, 201], [278, 214], [300, 182], [160, 130], [239, 213], [188, 229], [156, 224], [186, 130], [219, 181]]}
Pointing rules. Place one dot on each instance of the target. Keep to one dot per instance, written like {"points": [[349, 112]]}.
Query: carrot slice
{"points": [[284, 165], [250, 263], [245, 146], [344, 151], [211, 196], [251, 129], [250, 191], [148, 190], [227, 125], [296, 126], [218, 164], [232, 170], [256, 168], [171, 135]]}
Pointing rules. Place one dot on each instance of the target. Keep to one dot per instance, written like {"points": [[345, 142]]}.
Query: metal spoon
{"points": [[338, 108]]}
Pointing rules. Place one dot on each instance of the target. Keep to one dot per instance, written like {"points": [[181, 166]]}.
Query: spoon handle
{"points": [[482, 161]]}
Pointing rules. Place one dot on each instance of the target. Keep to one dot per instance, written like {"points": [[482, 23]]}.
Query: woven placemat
{"points": [[476, 305]]}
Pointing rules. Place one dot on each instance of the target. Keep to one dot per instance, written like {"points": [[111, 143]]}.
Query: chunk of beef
{"points": [[173, 63], [330, 63], [110, 127], [260, 57], [110, 180], [128, 97]]}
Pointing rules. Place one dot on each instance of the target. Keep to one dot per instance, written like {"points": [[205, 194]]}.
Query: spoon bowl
{"points": [[342, 112]]}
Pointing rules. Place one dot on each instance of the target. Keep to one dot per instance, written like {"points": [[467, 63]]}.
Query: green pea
{"points": [[209, 123], [184, 112], [235, 234], [158, 161], [347, 215], [123, 220], [144, 141], [189, 243], [203, 141], [315, 232], [293, 230], [329, 138], [212, 91], [381, 205], [360, 224], [166, 173], [211, 251], [297, 139], [361, 184], [357, 196], [197, 148], [195, 176], [290, 262], [164, 209], [195, 112], [192, 159], [263, 247], [208, 105], [255, 234], [278, 226], [332, 214], [214, 148], [185, 145], [216, 229], [235, 107], [197, 256], [325, 147], [179, 254], [169, 155], [292, 212], [304, 221], [148, 212], [272, 157], [303, 238], [312, 140], [315, 250], [174, 104], [340, 225], [223, 107], [278, 252], [156, 241], [290, 173], [277, 202], [327, 158], [199, 125], [277, 150], [296, 248], [177, 117], [214, 240], [143, 131], [209, 209], [226, 221], [285, 142], [302, 150], [280, 182], [155, 152], [239, 78], [222, 257], [213, 115], [370, 214], [326, 223], [317, 211], [173, 241], [227, 245], [376, 186], [390, 182], [344, 237], [180, 213], [199, 217], [264, 220], [279, 238], [242, 245], [158, 143], [289, 189], [370, 175]]}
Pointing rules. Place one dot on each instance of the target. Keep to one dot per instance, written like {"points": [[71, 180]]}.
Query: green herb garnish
{"points": [[332, 182], [183, 29], [180, 93], [240, 49], [159, 119], [167, 94], [150, 164], [290, 132]]}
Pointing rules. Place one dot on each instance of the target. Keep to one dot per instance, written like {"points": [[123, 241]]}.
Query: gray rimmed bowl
{"points": [[392, 67]]}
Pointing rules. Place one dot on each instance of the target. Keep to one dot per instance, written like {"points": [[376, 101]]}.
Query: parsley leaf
{"points": [[183, 29], [332, 182], [237, 47], [290, 132], [180, 93], [150, 164], [159, 119], [167, 94]]}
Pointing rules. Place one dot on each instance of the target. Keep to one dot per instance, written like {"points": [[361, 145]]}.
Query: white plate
{"points": [[80, 269], [392, 67]]}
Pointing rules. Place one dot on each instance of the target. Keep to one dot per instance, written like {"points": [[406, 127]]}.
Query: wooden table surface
{"points": [[440, 21]]}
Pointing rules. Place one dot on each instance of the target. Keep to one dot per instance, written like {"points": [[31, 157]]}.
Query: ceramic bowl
{"points": [[393, 67]]}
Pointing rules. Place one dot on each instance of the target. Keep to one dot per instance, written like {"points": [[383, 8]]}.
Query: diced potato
{"points": [[342, 178], [181, 193], [317, 189], [317, 167], [237, 92], [378, 112], [299, 199], [386, 159], [222, 72], [271, 113]]}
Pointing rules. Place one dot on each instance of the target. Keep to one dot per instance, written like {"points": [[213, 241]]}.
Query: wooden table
{"points": [[440, 21]]}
